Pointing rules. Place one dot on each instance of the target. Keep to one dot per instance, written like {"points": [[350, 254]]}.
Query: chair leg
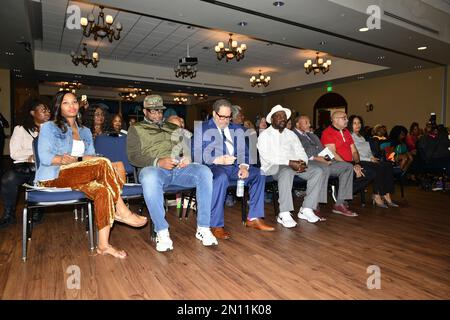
{"points": [[363, 198], [24, 233], [75, 213], [152, 231], [91, 236], [275, 197], [180, 207], [333, 193], [188, 206]]}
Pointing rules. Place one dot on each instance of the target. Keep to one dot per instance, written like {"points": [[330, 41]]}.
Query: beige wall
{"points": [[397, 99], [5, 102]]}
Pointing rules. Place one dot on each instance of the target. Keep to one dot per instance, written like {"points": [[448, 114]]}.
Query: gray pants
{"points": [[315, 176], [342, 170]]}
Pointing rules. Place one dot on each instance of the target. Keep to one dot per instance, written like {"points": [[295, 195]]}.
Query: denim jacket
{"points": [[53, 142]]}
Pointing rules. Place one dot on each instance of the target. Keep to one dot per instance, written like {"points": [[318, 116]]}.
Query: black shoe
{"points": [[37, 217], [9, 217]]}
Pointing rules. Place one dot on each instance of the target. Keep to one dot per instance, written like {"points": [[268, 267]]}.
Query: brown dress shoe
{"points": [[259, 224], [220, 233]]}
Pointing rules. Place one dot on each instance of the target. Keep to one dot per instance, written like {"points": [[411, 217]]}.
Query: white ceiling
{"points": [[155, 33]]}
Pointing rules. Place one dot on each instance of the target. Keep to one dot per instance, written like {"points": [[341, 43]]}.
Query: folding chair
{"points": [[36, 197]]}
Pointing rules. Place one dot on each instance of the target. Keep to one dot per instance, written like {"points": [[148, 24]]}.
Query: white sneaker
{"points": [[308, 215], [163, 241], [206, 237], [285, 219]]}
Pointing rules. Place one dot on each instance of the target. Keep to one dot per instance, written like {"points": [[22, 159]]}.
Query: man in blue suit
{"points": [[224, 148]]}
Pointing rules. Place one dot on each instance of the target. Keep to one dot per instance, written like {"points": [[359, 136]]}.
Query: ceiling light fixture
{"points": [[180, 100], [201, 96], [242, 23], [232, 51], [70, 86], [422, 48], [260, 80], [317, 66], [84, 57], [186, 66], [363, 29], [128, 96], [278, 3], [103, 28]]}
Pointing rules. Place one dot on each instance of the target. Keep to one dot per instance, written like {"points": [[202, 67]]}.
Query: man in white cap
{"points": [[282, 156]]}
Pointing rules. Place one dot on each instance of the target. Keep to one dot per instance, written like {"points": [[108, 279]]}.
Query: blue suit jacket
{"points": [[208, 143]]}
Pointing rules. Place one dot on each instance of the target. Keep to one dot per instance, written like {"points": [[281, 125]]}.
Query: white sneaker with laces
{"points": [[285, 219], [206, 237], [163, 241], [308, 215]]}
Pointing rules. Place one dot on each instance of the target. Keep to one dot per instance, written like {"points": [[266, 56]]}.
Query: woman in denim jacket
{"points": [[67, 159]]}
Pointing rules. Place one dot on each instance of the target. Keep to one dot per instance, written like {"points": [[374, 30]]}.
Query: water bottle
{"points": [[240, 188]]}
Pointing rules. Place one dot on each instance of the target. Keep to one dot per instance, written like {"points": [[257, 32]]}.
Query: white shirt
{"points": [[228, 141], [277, 149], [21, 144], [77, 148]]}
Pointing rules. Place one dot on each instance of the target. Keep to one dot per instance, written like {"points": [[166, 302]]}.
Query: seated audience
{"points": [[412, 137], [397, 150], [433, 148], [343, 170], [261, 124], [283, 157], [383, 184], [97, 119], [67, 160], [21, 151], [339, 140], [228, 158], [117, 125], [237, 115], [249, 125], [151, 146]]}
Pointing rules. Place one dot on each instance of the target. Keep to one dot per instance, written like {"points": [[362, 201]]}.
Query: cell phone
{"points": [[327, 157], [83, 97]]}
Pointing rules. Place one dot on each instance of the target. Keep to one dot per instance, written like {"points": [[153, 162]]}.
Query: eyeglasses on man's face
{"points": [[222, 117], [156, 111], [343, 117]]}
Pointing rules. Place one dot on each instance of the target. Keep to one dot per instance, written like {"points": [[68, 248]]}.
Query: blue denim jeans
{"points": [[155, 180]]}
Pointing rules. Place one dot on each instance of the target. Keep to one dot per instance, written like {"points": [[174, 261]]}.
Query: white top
{"points": [[228, 141], [277, 148], [21, 144], [77, 148]]}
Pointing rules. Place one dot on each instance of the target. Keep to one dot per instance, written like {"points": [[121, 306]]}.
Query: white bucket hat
{"points": [[275, 110]]}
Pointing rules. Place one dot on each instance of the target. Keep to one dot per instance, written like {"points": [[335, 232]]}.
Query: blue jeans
{"points": [[154, 180]]}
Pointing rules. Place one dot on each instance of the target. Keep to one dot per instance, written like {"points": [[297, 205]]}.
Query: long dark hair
{"points": [[89, 117], [413, 125], [350, 123], [58, 118], [395, 134], [31, 105]]}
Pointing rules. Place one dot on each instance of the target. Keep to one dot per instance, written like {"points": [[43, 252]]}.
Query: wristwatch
{"points": [[80, 158]]}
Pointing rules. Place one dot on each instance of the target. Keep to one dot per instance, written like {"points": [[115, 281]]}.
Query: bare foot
{"points": [[110, 250]]}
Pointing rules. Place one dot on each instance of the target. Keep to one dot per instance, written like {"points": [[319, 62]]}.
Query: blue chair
{"points": [[46, 197], [115, 149]]}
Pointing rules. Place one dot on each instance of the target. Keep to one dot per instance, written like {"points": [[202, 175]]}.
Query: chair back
{"points": [[115, 149], [35, 152]]}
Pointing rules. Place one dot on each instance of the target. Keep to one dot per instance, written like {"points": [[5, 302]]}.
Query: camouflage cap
{"points": [[154, 102]]}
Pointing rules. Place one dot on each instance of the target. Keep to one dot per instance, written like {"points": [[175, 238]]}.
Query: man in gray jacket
{"points": [[343, 170]]}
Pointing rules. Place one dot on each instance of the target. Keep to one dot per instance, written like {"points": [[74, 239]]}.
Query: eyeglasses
{"points": [[43, 109], [221, 117], [156, 111], [345, 118], [99, 114]]}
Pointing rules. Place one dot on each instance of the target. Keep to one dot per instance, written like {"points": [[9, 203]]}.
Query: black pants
{"points": [[384, 176], [11, 181], [362, 182]]}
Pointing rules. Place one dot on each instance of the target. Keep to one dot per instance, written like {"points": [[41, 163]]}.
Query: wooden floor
{"points": [[327, 260]]}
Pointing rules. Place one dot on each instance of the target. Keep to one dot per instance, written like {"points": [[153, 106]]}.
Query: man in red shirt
{"points": [[338, 139]]}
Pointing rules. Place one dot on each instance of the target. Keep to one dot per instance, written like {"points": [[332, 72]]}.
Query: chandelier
{"points": [[186, 66], [84, 57], [70, 86], [128, 96], [259, 80], [200, 96], [317, 66], [232, 51], [180, 100], [103, 28]]}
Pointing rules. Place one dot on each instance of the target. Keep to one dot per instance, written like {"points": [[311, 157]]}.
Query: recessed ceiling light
{"points": [[322, 43], [278, 3], [242, 23], [422, 48], [363, 29]]}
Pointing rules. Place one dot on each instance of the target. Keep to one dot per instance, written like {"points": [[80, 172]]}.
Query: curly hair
{"points": [[89, 118], [58, 118], [394, 135], [31, 105], [350, 123]]}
